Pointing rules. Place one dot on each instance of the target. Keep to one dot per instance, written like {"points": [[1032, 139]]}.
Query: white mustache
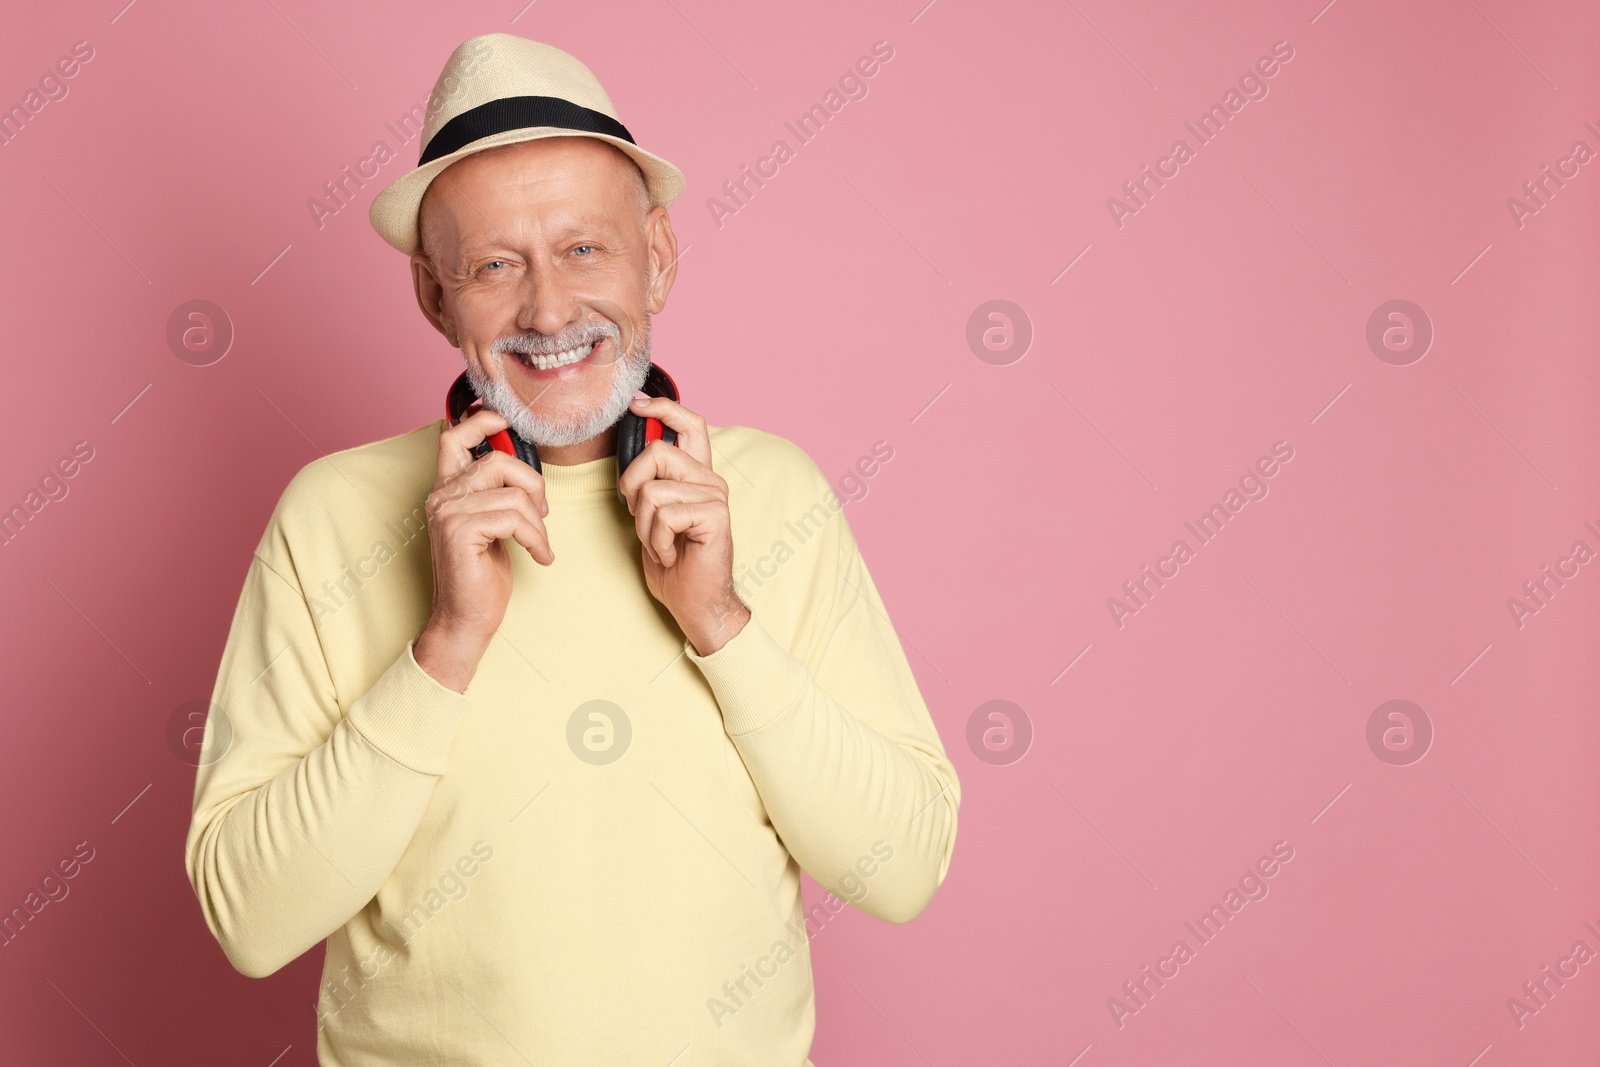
{"points": [[536, 344]]}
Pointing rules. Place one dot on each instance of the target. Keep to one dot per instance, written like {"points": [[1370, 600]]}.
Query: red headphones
{"points": [[633, 431]]}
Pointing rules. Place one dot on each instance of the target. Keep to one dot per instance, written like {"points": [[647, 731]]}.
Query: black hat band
{"points": [[518, 113]]}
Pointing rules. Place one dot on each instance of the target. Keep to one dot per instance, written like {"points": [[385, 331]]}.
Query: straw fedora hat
{"points": [[499, 89]]}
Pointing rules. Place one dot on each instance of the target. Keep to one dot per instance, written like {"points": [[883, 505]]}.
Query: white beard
{"points": [[627, 378]]}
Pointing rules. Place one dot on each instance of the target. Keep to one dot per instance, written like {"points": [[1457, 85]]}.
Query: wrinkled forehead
{"points": [[587, 185]]}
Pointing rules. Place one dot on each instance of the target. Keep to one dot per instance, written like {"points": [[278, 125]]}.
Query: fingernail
{"points": [[640, 398]]}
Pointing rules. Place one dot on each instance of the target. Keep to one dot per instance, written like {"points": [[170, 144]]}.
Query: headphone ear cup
{"points": [[630, 440], [634, 431], [460, 397], [524, 449]]}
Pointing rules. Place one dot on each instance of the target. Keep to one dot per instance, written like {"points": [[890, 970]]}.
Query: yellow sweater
{"points": [[593, 855]]}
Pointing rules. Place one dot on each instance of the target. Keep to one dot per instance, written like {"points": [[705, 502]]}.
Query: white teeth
{"points": [[560, 359]]}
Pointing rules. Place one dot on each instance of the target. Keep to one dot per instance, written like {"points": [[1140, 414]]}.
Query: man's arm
{"points": [[305, 813], [841, 748], [299, 820], [838, 740]]}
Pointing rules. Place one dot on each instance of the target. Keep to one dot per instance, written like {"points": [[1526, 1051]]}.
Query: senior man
{"points": [[543, 779]]}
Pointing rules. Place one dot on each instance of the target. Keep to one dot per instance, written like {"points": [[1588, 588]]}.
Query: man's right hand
{"points": [[474, 504]]}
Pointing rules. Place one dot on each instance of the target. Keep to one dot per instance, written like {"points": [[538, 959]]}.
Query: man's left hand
{"points": [[680, 510]]}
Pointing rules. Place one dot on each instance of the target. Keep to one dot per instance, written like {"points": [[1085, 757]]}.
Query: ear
{"points": [[430, 297], [661, 250]]}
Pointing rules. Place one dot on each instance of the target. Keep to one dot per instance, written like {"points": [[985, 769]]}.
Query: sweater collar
{"points": [[581, 479]]}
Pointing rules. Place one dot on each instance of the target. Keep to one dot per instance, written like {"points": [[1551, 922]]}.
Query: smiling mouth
{"points": [[565, 358]]}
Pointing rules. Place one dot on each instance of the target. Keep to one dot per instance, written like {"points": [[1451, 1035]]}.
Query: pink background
{"points": [[1227, 314]]}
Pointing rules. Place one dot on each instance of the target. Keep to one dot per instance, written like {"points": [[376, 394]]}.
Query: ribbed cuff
{"points": [[409, 717], [754, 680]]}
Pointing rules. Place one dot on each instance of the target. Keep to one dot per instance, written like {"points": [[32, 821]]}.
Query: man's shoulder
{"points": [[791, 542], [763, 459], [378, 468], [356, 488], [775, 487]]}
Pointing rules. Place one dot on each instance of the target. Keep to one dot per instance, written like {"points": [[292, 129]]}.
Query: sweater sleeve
{"points": [[301, 811], [841, 747]]}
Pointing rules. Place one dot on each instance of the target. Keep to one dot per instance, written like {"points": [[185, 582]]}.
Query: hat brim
{"points": [[394, 210]]}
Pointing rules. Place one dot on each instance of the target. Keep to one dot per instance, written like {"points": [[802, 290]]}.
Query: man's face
{"points": [[546, 279]]}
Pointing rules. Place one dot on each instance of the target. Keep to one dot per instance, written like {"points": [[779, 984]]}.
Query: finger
{"points": [[660, 460], [693, 437], [489, 526], [495, 470], [480, 527], [463, 513], [696, 520], [657, 494], [495, 499], [456, 442]]}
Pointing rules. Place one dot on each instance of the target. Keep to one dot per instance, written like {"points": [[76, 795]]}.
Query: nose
{"points": [[549, 304]]}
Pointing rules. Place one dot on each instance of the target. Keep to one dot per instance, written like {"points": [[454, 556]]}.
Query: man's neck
{"points": [[597, 447]]}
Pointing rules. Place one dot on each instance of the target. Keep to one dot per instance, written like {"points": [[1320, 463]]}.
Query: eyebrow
{"points": [[602, 224]]}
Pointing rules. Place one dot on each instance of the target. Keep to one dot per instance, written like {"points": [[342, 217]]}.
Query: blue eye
{"points": [[492, 262], [590, 247]]}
